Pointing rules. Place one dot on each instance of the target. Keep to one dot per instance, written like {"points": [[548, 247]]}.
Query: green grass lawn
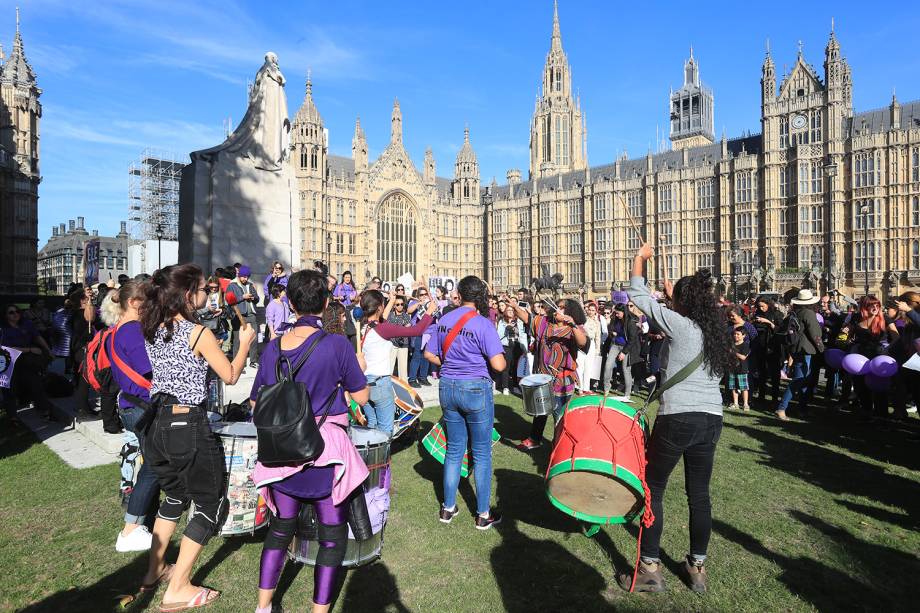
{"points": [[809, 515]]}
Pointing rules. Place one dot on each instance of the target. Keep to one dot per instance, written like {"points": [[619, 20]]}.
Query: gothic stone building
{"points": [[20, 112], [823, 197]]}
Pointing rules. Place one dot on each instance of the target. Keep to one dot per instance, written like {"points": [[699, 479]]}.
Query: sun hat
{"points": [[805, 297]]}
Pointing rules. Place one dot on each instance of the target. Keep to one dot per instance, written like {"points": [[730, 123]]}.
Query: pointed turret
{"points": [[308, 113], [359, 147], [466, 172], [17, 69], [430, 176], [308, 137], [396, 123], [768, 77], [895, 110]]}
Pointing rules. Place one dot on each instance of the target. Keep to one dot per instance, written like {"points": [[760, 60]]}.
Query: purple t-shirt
{"points": [[476, 343], [332, 362], [23, 336], [128, 343]]}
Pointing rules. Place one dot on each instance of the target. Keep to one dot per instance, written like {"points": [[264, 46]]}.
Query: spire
{"points": [[466, 153], [466, 134], [833, 47], [396, 123], [308, 113], [17, 68], [557, 33], [359, 131]]}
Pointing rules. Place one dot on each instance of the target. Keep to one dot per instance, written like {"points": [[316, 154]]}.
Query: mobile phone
{"points": [[524, 305]]}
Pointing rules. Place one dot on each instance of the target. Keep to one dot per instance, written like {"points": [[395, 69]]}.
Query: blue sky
{"points": [[119, 76]]}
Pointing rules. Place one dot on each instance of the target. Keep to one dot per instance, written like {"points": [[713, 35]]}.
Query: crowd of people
{"points": [[170, 335]]}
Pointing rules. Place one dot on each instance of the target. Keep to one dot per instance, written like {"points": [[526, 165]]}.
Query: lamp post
{"points": [[329, 251], [755, 262], [521, 250], [816, 265], [830, 171], [735, 258], [771, 269], [487, 200], [864, 210], [159, 231]]}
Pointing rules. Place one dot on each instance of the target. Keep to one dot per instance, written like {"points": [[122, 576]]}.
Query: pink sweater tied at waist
{"points": [[350, 470]]}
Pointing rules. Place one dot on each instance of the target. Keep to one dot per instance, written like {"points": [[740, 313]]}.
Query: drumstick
{"points": [[632, 222]]}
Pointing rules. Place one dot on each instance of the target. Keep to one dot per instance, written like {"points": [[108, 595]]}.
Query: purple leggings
{"points": [[324, 577]]}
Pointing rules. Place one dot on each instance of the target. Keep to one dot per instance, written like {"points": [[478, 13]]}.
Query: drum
{"points": [[247, 511], [598, 459], [409, 406], [537, 391], [374, 447], [436, 444], [354, 410]]}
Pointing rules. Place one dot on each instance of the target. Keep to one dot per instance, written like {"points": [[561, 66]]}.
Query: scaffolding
{"points": [[153, 193]]}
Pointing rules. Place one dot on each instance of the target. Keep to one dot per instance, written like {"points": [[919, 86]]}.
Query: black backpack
{"points": [[283, 415], [792, 332]]}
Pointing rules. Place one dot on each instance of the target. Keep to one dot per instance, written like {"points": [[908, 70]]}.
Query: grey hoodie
{"points": [[698, 393]]}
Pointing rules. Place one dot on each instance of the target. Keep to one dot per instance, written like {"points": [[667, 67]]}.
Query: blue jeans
{"points": [[382, 406], [799, 385], [469, 413], [146, 488], [418, 365]]}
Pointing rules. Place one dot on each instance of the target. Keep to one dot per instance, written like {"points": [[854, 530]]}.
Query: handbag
{"points": [[283, 415]]}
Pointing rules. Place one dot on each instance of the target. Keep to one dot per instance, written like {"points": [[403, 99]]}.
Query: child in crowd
{"points": [[738, 378]]}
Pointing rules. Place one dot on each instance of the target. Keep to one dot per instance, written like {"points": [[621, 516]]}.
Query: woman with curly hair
{"points": [[689, 419], [558, 336]]}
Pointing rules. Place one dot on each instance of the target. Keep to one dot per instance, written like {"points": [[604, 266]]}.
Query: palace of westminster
{"points": [[821, 198]]}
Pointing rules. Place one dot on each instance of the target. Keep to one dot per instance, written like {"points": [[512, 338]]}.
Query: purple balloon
{"points": [[834, 358], [878, 384], [856, 364], [820, 319], [883, 366]]}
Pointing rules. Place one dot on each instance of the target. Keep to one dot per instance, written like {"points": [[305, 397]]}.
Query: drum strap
{"points": [[679, 376], [455, 331]]}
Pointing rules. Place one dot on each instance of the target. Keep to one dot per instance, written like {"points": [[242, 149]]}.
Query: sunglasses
{"points": [[13, 312], [278, 268], [213, 287]]}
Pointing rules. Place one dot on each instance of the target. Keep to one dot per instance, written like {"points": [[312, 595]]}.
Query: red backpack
{"points": [[97, 369]]}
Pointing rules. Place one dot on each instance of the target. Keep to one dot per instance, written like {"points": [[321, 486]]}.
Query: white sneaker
{"points": [[623, 398], [505, 392], [139, 539]]}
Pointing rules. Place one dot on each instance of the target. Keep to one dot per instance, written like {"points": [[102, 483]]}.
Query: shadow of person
{"points": [[370, 589], [529, 572], [228, 547], [103, 595], [870, 582], [431, 470]]}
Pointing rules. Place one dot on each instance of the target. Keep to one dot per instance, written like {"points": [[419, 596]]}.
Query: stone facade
{"points": [[20, 114], [767, 212]]}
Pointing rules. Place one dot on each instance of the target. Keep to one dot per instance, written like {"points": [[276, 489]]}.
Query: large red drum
{"points": [[597, 468]]}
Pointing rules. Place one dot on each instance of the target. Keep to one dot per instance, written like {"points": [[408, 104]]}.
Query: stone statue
{"points": [[264, 134], [238, 201]]}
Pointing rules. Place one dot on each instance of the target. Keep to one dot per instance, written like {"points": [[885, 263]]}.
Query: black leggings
{"points": [[692, 436]]}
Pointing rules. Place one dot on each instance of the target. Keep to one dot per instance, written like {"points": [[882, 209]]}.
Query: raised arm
{"points": [[522, 314], [205, 345], [638, 292]]}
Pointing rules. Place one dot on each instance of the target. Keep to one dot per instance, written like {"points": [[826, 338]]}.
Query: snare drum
{"points": [[247, 511], [374, 447], [537, 391]]}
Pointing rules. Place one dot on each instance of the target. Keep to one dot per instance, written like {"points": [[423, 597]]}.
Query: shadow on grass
{"points": [[538, 575], [102, 595], [514, 427], [372, 589], [432, 471], [874, 577], [14, 439], [835, 472]]}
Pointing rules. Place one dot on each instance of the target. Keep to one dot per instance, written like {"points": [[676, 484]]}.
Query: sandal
{"points": [[203, 598], [166, 575]]}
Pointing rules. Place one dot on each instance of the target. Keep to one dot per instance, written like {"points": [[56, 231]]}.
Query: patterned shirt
{"points": [[177, 371], [558, 354]]}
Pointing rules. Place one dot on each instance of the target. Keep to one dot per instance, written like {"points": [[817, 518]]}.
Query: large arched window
{"points": [[396, 238]]}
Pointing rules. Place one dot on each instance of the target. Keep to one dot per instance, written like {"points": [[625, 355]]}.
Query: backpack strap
{"points": [[679, 376], [123, 366], [452, 335], [293, 369]]}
